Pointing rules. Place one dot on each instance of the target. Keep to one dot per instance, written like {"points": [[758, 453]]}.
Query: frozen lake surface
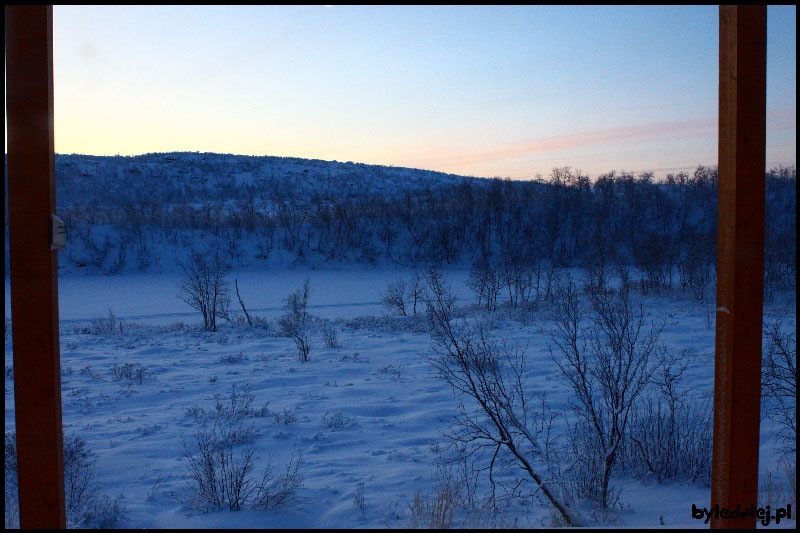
{"points": [[153, 298]]}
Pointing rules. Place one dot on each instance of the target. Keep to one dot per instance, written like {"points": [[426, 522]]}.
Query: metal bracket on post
{"points": [[58, 233]]}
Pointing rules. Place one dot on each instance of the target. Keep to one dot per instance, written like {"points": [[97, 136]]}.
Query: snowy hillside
{"points": [[200, 177]]}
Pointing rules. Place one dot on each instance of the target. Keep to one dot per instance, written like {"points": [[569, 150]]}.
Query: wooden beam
{"points": [[740, 259], [34, 285]]}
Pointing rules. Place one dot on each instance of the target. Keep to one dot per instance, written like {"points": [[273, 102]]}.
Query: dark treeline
{"points": [[131, 213]]}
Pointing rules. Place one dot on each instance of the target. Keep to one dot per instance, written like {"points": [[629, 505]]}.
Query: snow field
{"points": [[369, 411]]}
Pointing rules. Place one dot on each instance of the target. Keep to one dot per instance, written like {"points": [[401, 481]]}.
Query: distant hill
{"points": [[198, 177]]}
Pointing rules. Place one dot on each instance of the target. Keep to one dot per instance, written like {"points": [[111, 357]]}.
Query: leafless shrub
{"points": [[104, 512], [779, 383], [219, 477], [606, 365], [239, 406], [274, 492], [434, 512], [132, 372], [329, 336], [452, 503], [670, 435], [651, 254], [394, 370], [294, 323], [517, 273], [156, 487], [105, 325], [96, 246], [286, 418], [507, 424], [233, 358], [779, 487], [261, 322], [335, 420]]}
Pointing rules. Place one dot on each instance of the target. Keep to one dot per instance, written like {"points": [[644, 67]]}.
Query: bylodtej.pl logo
{"points": [[764, 514]]}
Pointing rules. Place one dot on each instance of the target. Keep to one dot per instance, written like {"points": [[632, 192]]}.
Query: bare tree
{"points": [[507, 423], [695, 266], [241, 302], [779, 380], [416, 289], [203, 287], [394, 297], [294, 323], [486, 282], [607, 366]]}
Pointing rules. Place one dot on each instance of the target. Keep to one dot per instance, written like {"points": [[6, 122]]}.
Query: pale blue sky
{"points": [[487, 91]]}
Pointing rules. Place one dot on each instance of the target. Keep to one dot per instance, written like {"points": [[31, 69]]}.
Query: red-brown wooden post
{"points": [[34, 285], [740, 259]]}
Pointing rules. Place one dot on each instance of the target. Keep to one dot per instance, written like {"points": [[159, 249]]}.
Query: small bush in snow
{"points": [[233, 359], [394, 370], [133, 372], [329, 336], [436, 510], [220, 476], [274, 492], [670, 435], [232, 412], [286, 418], [778, 488], [294, 323], [105, 325], [335, 420], [104, 512]]}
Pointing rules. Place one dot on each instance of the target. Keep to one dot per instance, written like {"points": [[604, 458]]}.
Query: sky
{"points": [[482, 91]]}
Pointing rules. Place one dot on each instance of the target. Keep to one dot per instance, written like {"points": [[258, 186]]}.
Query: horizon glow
{"points": [[483, 91]]}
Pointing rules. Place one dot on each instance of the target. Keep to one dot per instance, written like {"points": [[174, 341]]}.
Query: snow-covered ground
{"points": [[369, 411]]}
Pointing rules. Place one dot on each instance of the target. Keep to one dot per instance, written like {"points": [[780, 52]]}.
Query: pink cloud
{"points": [[777, 120], [556, 143]]}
